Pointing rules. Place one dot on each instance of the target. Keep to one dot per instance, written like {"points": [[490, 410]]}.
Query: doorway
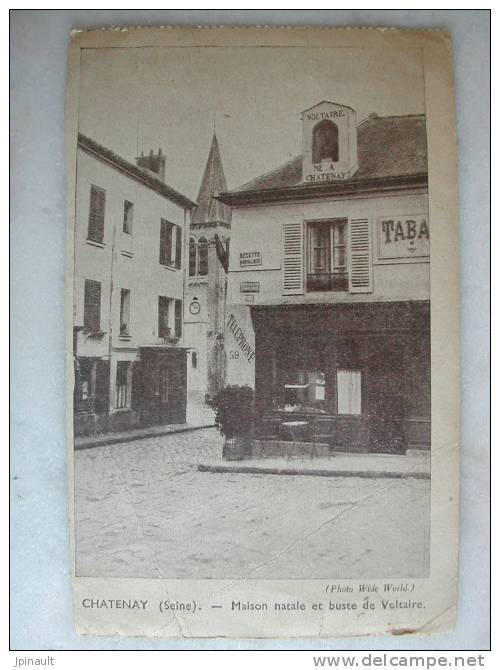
{"points": [[387, 394], [164, 390]]}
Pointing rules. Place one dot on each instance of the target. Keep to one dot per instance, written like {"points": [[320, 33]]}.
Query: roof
{"points": [[141, 175], [390, 148], [213, 182], [328, 102]]}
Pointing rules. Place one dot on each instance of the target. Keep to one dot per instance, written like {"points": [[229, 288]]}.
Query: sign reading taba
{"points": [[403, 236]]}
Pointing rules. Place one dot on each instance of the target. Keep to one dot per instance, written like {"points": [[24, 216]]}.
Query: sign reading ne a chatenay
{"points": [[403, 236], [250, 258]]}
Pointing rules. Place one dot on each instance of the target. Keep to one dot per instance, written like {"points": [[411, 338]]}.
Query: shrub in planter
{"points": [[234, 417]]}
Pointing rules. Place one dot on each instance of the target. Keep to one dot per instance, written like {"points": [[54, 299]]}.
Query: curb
{"points": [[102, 442], [369, 474]]}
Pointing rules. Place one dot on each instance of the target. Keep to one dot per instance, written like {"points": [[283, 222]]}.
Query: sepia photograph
{"points": [[262, 356], [251, 327]]}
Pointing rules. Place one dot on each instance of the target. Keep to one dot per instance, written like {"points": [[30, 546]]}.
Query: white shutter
{"points": [[360, 256], [292, 259]]}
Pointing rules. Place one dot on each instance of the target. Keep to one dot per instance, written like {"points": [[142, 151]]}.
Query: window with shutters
{"points": [[178, 318], [95, 232], [125, 312], [292, 259], [360, 256], [163, 317], [166, 242], [326, 255], [128, 217], [92, 306]]}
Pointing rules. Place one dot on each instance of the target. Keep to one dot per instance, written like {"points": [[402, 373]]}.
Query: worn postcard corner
{"points": [[262, 332]]}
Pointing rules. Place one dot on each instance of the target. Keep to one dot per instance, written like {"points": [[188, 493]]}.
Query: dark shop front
{"points": [[148, 391], [159, 387], [353, 376]]}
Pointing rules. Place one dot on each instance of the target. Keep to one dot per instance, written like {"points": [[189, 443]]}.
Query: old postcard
{"points": [[262, 332]]}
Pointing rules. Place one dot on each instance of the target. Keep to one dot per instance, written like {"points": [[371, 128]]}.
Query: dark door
{"points": [[387, 390], [164, 391], [177, 386], [101, 405]]}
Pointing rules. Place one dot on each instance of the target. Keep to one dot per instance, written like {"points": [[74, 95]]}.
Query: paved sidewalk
{"points": [[139, 434], [341, 464]]}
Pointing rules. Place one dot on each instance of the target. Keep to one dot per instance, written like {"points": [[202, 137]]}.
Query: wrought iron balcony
{"points": [[327, 281]]}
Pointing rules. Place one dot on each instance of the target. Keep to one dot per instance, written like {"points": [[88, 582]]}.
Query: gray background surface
{"points": [[41, 616]]}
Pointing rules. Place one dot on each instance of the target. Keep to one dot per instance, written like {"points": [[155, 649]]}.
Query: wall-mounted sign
{"points": [[244, 345], [329, 143], [250, 258], [249, 286], [403, 236], [326, 172]]}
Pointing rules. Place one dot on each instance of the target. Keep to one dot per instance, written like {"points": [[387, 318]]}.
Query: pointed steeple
{"points": [[213, 182]]}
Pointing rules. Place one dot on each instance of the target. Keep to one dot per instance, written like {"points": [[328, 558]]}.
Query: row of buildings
{"points": [[310, 283]]}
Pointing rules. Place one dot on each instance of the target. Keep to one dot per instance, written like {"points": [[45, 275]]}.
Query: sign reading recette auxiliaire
{"points": [[250, 258]]}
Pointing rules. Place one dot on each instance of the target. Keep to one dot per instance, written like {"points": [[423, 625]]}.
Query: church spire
{"points": [[213, 182]]}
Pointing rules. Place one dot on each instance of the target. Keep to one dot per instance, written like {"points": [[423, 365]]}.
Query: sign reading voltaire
{"points": [[319, 116], [403, 236]]}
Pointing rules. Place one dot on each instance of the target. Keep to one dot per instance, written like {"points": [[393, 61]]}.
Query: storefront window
{"points": [[304, 389], [349, 391], [326, 258]]}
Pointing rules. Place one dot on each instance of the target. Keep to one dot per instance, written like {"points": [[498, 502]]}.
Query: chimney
{"points": [[152, 162]]}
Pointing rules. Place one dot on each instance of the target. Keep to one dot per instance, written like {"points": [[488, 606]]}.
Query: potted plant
{"points": [[234, 417]]}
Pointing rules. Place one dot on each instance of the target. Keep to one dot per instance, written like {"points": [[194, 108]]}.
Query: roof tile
{"points": [[389, 146]]}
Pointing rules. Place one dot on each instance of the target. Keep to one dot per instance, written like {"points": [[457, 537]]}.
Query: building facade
{"points": [[206, 288], [130, 359], [328, 315]]}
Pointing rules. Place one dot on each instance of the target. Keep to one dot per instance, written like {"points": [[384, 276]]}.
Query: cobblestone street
{"points": [[142, 509]]}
